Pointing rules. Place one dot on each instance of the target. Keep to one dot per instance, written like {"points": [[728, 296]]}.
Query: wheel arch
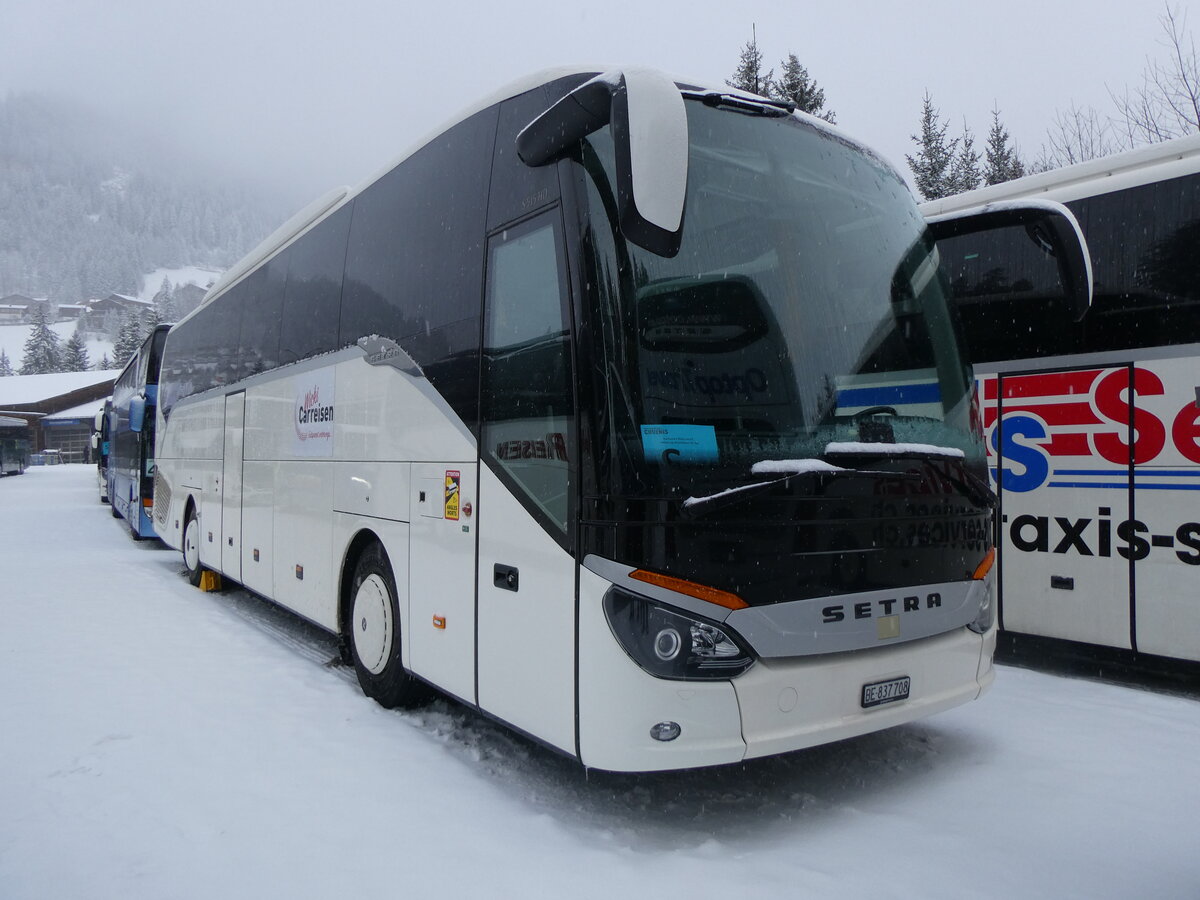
{"points": [[362, 539]]}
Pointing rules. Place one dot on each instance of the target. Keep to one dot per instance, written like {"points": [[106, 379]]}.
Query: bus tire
{"points": [[133, 524], [112, 510], [373, 632], [191, 547]]}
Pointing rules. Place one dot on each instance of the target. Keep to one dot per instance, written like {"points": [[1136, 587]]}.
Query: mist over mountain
{"points": [[86, 206]]}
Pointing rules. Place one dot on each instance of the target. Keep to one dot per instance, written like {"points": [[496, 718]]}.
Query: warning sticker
{"points": [[453, 481]]}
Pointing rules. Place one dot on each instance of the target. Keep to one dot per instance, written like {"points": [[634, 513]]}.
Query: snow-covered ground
{"points": [[156, 741]]}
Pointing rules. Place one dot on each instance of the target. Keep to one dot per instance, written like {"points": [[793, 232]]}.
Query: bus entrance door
{"points": [[231, 480]]}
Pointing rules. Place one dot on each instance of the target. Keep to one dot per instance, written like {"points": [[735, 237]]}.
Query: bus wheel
{"points": [[112, 510], [191, 547], [373, 631], [133, 524]]}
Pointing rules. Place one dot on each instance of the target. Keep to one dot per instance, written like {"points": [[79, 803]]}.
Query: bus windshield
{"points": [[803, 310]]}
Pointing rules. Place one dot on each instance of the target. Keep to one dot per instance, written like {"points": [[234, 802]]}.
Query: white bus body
{"points": [[429, 417], [1093, 427]]}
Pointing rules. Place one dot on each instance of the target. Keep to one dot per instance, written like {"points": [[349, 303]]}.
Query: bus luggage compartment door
{"points": [[231, 479], [1062, 466], [441, 638]]}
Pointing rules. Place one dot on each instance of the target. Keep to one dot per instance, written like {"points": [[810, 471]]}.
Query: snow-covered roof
{"points": [[82, 411], [20, 389]]}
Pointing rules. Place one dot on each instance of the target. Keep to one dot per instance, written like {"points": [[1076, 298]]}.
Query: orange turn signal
{"points": [[986, 566], [699, 591]]}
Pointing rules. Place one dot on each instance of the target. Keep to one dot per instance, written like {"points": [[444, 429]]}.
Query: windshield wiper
{"points": [[757, 105], [972, 486], [697, 507]]}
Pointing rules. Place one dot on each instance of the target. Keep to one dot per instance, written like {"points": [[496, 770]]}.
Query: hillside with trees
{"points": [[89, 208]]}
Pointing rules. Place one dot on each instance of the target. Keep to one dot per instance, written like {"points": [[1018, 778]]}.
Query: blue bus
{"points": [[131, 436]]}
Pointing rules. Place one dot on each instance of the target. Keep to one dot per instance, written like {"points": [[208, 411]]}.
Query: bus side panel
{"points": [[231, 487], [303, 532], [441, 638], [190, 460], [526, 623], [1166, 518], [258, 532], [1062, 572]]}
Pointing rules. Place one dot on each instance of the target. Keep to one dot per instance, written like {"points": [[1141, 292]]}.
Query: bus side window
{"points": [[528, 408]]}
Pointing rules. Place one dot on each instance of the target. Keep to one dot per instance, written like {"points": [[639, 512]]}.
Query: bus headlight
{"points": [[987, 610], [669, 643], [987, 607]]}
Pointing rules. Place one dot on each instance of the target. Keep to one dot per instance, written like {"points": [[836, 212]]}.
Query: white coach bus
{"points": [[1093, 426], [628, 413]]}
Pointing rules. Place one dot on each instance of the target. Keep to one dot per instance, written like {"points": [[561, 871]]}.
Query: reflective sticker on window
{"points": [[679, 443]]}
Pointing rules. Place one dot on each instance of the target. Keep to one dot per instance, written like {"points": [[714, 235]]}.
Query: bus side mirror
{"points": [[137, 413], [95, 440], [1048, 224], [650, 133]]}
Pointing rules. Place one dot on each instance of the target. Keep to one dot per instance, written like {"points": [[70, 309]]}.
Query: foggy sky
{"points": [[307, 95]]}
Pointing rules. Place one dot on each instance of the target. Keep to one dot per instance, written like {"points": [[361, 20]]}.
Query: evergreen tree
{"points": [[129, 338], [796, 86], [164, 302], [104, 364], [75, 357], [932, 165], [749, 76], [5, 366], [964, 171], [1003, 164], [42, 350]]}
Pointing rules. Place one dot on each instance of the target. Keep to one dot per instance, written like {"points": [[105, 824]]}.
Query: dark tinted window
{"points": [[1145, 250], [190, 363], [517, 189], [528, 408], [1009, 295], [261, 315], [313, 297], [414, 267]]}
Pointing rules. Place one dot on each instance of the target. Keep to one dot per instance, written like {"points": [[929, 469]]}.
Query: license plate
{"points": [[878, 693]]}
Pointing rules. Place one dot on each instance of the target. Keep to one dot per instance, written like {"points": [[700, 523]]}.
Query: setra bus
{"points": [[131, 436], [1093, 426], [626, 412]]}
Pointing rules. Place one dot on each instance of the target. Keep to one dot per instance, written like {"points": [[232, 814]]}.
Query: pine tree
{"points": [[42, 350], [129, 338], [105, 364], [75, 357], [1003, 164], [164, 302], [796, 86], [749, 76], [6, 368], [964, 171], [931, 167]]}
